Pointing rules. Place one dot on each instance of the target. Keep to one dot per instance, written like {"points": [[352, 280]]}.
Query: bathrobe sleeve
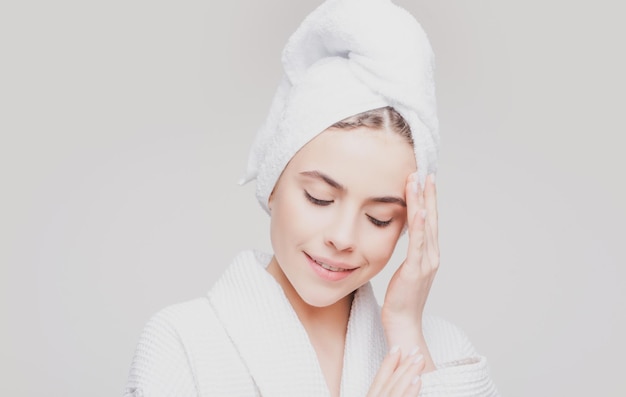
{"points": [[160, 367], [461, 371]]}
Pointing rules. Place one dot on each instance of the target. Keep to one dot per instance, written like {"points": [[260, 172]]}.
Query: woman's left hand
{"points": [[410, 285]]}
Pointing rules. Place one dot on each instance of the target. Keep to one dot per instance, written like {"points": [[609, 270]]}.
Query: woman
{"points": [[341, 166]]}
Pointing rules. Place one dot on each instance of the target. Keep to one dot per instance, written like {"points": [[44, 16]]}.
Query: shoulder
{"points": [[161, 365], [181, 324], [446, 341], [179, 314], [461, 371], [170, 328], [435, 324], [171, 348]]}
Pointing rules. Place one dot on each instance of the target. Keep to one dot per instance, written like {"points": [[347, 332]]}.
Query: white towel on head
{"points": [[348, 57]]}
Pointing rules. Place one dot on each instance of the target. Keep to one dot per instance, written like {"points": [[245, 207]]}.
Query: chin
{"points": [[320, 298]]}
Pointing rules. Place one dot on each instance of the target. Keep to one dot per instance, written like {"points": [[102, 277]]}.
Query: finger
{"points": [[415, 208], [409, 384], [387, 368], [414, 387], [431, 239], [411, 193], [430, 203], [415, 250], [406, 370]]}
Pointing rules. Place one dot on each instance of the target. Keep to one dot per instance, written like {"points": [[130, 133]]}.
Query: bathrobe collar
{"points": [[273, 343]]}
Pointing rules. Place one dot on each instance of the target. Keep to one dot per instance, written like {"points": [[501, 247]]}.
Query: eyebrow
{"points": [[325, 178], [333, 183], [389, 199]]}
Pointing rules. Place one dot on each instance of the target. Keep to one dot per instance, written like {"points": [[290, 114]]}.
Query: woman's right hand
{"points": [[397, 376]]}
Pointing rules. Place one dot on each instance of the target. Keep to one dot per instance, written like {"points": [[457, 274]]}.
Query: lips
{"points": [[328, 269], [330, 264]]}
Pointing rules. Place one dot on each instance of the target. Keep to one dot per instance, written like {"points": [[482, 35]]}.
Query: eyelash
{"points": [[324, 203], [379, 223], [315, 201]]}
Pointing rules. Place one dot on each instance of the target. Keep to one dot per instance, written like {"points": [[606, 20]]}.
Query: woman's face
{"points": [[337, 211]]}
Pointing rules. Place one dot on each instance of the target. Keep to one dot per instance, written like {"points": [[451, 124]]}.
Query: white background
{"points": [[124, 126]]}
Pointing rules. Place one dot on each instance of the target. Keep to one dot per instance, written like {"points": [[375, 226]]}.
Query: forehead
{"points": [[361, 158]]}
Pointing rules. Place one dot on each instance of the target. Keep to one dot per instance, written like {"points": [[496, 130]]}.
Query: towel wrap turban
{"points": [[348, 57]]}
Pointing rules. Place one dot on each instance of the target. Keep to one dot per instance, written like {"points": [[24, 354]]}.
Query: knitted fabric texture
{"points": [[245, 339]]}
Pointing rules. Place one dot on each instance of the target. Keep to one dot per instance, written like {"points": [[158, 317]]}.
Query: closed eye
{"points": [[317, 201], [378, 222]]}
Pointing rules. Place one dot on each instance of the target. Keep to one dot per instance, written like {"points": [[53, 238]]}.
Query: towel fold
{"points": [[348, 57]]}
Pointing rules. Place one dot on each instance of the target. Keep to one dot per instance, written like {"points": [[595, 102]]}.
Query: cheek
{"points": [[292, 219], [379, 247]]}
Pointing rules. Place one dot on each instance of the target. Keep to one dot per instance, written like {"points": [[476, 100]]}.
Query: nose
{"points": [[341, 233]]}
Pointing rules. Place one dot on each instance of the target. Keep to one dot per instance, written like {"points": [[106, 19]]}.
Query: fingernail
{"points": [[415, 380], [418, 359], [423, 214], [394, 349], [414, 351]]}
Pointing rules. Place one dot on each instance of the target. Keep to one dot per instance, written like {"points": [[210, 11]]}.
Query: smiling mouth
{"points": [[329, 267]]}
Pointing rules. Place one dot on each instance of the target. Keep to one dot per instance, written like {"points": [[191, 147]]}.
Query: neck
{"points": [[330, 319], [326, 327]]}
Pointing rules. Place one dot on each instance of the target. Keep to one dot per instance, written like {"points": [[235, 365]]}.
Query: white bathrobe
{"points": [[244, 339]]}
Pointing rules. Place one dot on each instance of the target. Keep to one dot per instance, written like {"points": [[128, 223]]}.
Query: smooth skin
{"points": [[406, 297], [410, 285], [342, 224]]}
